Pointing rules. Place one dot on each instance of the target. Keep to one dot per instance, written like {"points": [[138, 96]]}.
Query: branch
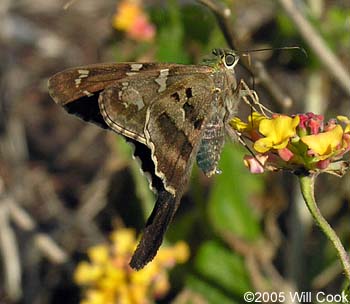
{"points": [[318, 45], [307, 184], [223, 17]]}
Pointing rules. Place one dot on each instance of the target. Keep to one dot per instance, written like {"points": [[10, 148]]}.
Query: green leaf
{"points": [[198, 23], [229, 206], [223, 268], [209, 292], [170, 38]]}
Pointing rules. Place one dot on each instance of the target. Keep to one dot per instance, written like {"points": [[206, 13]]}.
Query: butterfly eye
{"points": [[230, 60]]}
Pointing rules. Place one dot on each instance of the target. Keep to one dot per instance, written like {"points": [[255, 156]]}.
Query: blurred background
{"points": [[65, 185]]}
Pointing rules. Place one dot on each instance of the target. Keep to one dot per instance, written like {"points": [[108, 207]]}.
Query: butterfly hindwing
{"points": [[175, 122]]}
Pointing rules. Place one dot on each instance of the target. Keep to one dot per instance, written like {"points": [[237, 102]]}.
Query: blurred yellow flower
{"points": [[131, 18], [86, 273], [161, 285], [124, 241], [98, 254], [181, 252], [127, 12], [108, 277], [95, 297]]}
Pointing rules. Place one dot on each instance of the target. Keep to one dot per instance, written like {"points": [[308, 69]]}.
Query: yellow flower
{"points": [[181, 252], [161, 285], [345, 120], [138, 293], [277, 131], [99, 254], [324, 144], [87, 273], [145, 275], [109, 279], [255, 119], [124, 296], [112, 278], [95, 297], [124, 241], [253, 122], [127, 13], [131, 18], [239, 125]]}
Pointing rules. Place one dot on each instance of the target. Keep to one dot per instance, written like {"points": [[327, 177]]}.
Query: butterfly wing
{"points": [[160, 108], [78, 89], [72, 84], [174, 125]]}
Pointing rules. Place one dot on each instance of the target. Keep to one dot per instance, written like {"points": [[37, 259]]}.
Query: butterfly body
{"points": [[172, 114]]}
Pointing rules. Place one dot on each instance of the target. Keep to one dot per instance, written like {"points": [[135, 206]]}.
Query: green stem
{"points": [[307, 184]]}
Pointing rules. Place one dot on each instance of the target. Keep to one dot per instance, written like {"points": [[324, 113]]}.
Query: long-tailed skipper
{"points": [[171, 113]]}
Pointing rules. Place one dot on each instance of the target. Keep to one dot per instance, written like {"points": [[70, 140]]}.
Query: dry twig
{"points": [[223, 16], [318, 45]]}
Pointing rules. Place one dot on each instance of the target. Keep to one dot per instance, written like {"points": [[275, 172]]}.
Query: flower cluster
{"points": [[131, 18], [109, 279], [298, 142]]}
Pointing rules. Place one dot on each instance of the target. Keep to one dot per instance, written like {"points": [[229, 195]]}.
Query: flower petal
{"points": [[277, 131], [324, 144], [255, 164], [237, 124]]}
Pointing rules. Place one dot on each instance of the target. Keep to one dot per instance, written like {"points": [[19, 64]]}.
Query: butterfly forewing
{"points": [[72, 84], [125, 103], [78, 89]]}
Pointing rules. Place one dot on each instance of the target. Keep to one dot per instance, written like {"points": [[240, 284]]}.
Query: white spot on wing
{"points": [[87, 93], [135, 67], [83, 73], [183, 114], [128, 95], [161, 80], [139, 103], [77, 82]]}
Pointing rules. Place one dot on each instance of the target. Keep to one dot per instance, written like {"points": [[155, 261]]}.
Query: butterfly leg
{"points": [[251, 98]]}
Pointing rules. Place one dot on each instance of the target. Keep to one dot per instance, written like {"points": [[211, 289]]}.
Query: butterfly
{"points": [[173, 114]]}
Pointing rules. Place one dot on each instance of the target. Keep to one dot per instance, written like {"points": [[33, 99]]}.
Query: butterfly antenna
{"points": [[283, 48], [246, 53]]}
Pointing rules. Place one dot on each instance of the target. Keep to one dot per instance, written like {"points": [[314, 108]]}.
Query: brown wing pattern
{"points": [[175, 123]]}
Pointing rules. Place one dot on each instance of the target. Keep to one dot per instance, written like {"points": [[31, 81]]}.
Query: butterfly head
{"points": [[228, 58]]}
